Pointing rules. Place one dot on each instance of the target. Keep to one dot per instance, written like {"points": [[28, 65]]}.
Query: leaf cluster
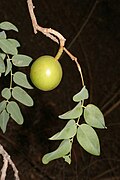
{"points": [[85, 132], [12, 95]]}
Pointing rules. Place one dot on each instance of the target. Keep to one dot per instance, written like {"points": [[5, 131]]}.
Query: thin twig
{"points": [[111, 99], [6, 160], [78, 64], [84, 24], [54, 35], [115, 105], [4, 168], [104, 173], [49, 32]]}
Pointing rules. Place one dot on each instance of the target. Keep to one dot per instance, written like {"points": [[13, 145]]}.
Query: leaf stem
{"points": [[11, 79]]}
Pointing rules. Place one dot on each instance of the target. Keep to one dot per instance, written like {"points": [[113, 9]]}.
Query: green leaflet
{"points": [[67, 158], [67, 132], [2, 65], [14, 42], [9, 67], [2, 55], [2, 105], [88, 139], [14, 110], [63, 149], [76, 112], [8, 26], [22, 96], [3, 35], [6, 93], [93, 116], [82, 95], [20, 60], [8, 47], [4, 117], [21, 79]]}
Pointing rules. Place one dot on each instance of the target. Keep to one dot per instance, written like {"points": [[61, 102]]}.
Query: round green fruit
{"points": [[46, 73]]}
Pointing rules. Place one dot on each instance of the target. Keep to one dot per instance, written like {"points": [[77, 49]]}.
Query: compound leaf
{"points": [[20, 60], [21, 79], [74, 113], [22, 96], [88, 139], [8, 26], [82, 95], [63, 149], [93, 116], [4, 117], [6, 93], [67, 132], [14, 110]]}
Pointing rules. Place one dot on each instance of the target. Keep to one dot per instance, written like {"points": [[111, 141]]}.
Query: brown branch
{"points": [[6, 160], [51, 33], [78, 64], [4, 168], [54, 35]]}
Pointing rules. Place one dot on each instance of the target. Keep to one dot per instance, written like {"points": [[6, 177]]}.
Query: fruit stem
{"points": [[59, 53]]}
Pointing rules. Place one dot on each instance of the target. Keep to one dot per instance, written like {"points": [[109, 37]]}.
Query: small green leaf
{"points": [[4, 117], [9, 67], [14, 110], [8, 47], [3, 35], [6, 93], [2, 105], [2, 66], [63, 149], [20, 60], [14, 42], [8, 26], [82, 95], [76, 112], [93, 116], [88, 139], [67, 159], [67, 132], [21, 79], [2, 55], [20, 95]]}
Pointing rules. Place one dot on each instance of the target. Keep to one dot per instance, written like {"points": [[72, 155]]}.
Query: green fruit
{"points": [[46, 73]]}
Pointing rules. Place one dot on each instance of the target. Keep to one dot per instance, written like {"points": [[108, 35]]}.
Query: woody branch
{"points": [[7, 160]]}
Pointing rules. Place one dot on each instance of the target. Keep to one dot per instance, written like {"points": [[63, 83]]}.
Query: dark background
{"points": [[97, 48]]}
